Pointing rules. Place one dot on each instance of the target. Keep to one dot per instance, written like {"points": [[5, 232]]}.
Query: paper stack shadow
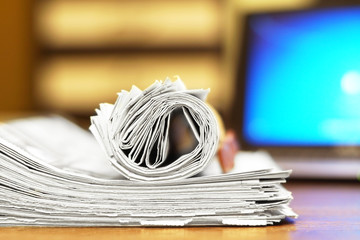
{"points": [[53, 173]]}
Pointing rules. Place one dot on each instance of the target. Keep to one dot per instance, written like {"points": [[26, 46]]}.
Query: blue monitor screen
{"points": [[303, 78]]}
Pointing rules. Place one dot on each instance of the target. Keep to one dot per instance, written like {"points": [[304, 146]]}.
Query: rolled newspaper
{"points": [[165, 132]]}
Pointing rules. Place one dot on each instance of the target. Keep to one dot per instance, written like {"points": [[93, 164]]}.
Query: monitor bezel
{"points": [[239, 99]]}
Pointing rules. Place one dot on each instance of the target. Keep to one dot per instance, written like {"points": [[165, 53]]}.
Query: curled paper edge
{"points": [[111, 127]]}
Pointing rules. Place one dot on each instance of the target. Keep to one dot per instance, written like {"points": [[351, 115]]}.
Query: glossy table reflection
{"points": [[327, 211]]}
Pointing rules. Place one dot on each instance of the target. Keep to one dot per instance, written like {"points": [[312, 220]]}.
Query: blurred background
{"points": [[67, 56]]}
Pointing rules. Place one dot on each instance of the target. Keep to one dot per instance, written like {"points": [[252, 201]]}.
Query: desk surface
{"points": [[327, 211]]}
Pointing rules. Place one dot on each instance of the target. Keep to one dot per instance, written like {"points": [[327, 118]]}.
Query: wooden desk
{"points": [[327, 211]]}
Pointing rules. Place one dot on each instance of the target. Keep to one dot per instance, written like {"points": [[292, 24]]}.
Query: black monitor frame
{"points": [[237, 117]]}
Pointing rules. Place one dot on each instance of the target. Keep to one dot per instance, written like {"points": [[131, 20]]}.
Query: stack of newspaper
{"points": [[53, 173]]}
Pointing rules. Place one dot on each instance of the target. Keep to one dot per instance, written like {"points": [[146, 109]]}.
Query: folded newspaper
{"points": [[134, 172]]}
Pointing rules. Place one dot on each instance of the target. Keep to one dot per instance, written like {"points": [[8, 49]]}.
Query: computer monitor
{"points": [[299, 84]]}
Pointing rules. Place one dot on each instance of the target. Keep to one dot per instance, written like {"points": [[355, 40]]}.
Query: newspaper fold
{"points": [[135, 132], [54, 173]]}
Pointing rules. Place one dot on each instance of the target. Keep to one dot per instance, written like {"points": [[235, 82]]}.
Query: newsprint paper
{"points": [[131, 171]]}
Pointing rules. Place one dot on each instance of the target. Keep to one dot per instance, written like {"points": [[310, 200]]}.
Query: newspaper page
{"points": [[133, 172]]}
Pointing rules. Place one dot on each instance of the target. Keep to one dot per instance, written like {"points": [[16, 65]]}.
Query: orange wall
{"points": [[15, 55]]}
